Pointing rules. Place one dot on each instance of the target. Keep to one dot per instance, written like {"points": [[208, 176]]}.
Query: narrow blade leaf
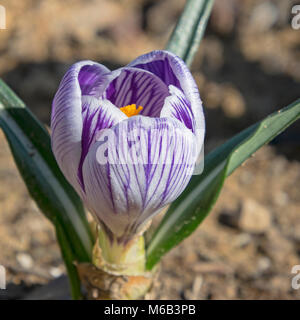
{"points": [[190, 28], [69, 258], [29, 142], [189, 210]]}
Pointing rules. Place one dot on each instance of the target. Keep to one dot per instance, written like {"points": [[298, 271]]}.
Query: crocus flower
{"points": [[155, 98]]}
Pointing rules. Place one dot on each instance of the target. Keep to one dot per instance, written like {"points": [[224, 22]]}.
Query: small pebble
{"points": [[24, 260], [55, 272]]}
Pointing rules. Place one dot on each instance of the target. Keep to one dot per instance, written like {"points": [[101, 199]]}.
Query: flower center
{"points": [[131, 110]]}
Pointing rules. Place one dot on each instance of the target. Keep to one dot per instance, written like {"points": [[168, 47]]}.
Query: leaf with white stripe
{"points": [[29, 142], [188, 33], [194, 204]]}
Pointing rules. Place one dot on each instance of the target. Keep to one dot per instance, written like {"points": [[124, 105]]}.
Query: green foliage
{"points": [[189, 210], [190, 28], [29, 142]]}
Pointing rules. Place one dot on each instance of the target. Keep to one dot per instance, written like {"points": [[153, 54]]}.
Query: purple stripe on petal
{"points": [[66, 124], [70, 137], [159, 160], [139, 87], [162, 69], [96, 115], [92, 79], [177, 106], [173, 71]]}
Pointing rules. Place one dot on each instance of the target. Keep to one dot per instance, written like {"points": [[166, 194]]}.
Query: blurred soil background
{"points": [[248, 66]]}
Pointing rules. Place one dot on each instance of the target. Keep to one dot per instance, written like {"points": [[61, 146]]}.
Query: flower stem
{"points": [[119, 258], [118, 269]]}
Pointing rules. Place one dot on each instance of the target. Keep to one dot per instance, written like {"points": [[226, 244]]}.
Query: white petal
{"points": [[174, 72], [142, 175]]}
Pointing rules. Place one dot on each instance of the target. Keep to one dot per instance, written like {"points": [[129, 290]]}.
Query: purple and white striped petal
{"points": [[173, 71], [127, 169], [160, 63], [133, 86], [96, 115], [67, 118], [177, 106], [92, 79], [146, 169]]}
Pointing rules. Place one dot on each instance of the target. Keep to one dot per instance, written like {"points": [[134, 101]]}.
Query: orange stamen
{"points": [[131, 110]]}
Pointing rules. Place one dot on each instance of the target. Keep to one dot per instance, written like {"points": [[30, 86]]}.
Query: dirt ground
{"points": [[248, 65]]}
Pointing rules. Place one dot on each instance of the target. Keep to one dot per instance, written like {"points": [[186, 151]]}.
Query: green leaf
{"points": [[69, 258], [189, 30], [189, 210], [29, 142]]}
